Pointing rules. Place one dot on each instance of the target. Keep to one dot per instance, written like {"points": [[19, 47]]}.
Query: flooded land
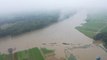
{"points": [[61, 36]]}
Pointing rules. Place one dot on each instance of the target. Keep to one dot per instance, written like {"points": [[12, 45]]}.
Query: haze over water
{"points": [[61, 32]]}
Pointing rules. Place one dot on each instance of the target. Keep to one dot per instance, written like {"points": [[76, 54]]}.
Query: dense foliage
{"points": [[21, 23], [101, 36]]}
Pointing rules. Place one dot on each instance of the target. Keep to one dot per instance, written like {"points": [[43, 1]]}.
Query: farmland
{"points": [[31, 54], [96, 25]]}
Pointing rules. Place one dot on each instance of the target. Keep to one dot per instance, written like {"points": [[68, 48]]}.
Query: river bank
{"points": [[61, 32]]}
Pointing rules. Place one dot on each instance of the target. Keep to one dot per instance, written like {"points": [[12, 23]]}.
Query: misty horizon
{"points": [[16, 6], [53, 29]]}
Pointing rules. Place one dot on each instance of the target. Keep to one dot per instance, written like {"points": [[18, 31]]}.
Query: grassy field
{"points": [[96, 27], [96, 23], [4, 57], [31, 54]]}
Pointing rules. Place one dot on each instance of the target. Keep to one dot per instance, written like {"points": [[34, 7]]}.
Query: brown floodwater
{"points": [[54, 36]]}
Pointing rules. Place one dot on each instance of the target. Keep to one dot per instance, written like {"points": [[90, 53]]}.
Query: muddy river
{"points": [[60, 36]]}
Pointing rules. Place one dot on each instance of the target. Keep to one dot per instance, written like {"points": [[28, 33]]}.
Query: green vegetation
{"points": [[31, 54], [72, 57], [47, 51], [102, 36], [19, 24], [4, 57], [96, 26]]}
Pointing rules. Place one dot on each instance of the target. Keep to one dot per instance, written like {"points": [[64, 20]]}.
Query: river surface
{"points": [[54, 36]]}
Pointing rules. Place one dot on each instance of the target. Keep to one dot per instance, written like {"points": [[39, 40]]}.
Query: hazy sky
{"points": [[7, 6]]}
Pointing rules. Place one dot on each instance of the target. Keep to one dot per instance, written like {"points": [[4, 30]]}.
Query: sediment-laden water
{"points": [[60, 36]]}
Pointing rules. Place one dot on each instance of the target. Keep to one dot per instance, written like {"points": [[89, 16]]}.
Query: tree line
{"points": [[27, 22]]}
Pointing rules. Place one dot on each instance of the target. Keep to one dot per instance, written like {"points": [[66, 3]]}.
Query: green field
{"points": [[96, 23], [96, 26], [31, 54], [4, 57]]}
